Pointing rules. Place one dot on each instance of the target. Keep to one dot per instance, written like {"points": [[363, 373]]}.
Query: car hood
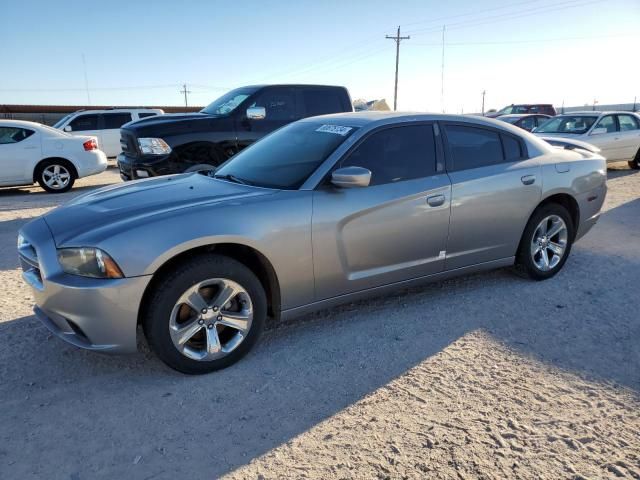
{"points": [[118, 206]]}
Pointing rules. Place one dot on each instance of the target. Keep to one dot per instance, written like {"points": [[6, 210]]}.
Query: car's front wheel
{"points": [[205, 314], [546, 242], [55, 176]]}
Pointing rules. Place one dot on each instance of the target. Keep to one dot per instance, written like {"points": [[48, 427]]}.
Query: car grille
{"points": [[30, 264], [128, 143]]}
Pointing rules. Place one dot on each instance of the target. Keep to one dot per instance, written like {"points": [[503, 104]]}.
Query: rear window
{"points": [[322, 101], [145, 115]]}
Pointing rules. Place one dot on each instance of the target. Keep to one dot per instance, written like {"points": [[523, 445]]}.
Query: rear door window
{"points": [[84, 122], [473, 147], [627, 122], [112, 121], [321, 101]]}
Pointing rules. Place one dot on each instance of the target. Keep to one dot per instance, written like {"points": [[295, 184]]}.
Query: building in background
{"points": [[50, 114], [361, 104]]}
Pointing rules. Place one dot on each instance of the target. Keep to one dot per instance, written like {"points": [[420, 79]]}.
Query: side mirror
{"points": [[598, 131], [348, 177], [256, 113], [67, 128]]}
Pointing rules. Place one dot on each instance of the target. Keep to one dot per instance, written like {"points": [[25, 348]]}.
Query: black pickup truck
{"points": [[169, 144]]}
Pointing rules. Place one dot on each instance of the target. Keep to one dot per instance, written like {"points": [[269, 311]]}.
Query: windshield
{"points": [[228, 102], [567, 124], [60, 122], [285, 158]]}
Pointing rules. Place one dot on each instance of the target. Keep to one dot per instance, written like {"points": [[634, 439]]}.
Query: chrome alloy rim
{"points": [[56, 176], [549, 243], [211, 319]]}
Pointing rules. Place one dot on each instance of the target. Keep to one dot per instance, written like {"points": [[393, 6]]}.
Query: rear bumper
{"points": [[95, 314], [97, 163]]}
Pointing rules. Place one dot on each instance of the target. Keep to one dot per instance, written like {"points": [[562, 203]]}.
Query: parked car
{"points": [[180, 143], [545, 108], [31, 152], [616, 134], [323, 211], [526, 121], [104, 124]]}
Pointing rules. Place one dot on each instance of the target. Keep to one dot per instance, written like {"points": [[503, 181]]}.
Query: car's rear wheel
{"points": [[635, 163], [546, 242], [205, 315], [55, 176]]}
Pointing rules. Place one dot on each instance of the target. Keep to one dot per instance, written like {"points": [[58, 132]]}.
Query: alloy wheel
{"points": [[211, 319], [56, 176], [549, 243]]}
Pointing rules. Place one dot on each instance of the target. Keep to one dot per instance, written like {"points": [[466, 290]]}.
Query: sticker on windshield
{"points": [[337, 129]]}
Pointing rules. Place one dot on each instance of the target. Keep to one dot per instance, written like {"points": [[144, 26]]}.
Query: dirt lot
{"points": [[486, 376]]}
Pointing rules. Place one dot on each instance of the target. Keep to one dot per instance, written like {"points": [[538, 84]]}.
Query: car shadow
{"points": [[303, 372]]}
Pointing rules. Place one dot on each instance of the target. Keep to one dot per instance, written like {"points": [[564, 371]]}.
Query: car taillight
{"points": [[90, 145]]}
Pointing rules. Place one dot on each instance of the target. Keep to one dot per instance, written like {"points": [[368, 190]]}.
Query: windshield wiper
{"points": [[233, 178]]}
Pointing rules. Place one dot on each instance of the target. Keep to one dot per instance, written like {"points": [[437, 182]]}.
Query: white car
{"points": [[31, 152], [616, 134], [104, 124]]}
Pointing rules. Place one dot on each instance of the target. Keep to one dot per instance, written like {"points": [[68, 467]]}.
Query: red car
{"points": [[545, 108]]}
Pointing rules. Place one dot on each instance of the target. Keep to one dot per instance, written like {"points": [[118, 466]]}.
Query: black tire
{"points": [[635, 163], [43, 169], [525, 263], [201, 155], [168, 290]]}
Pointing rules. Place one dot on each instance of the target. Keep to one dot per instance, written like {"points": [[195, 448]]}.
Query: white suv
{"points": [[104, 124]]}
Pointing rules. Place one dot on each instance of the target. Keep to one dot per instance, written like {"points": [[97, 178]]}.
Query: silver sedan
{"points": [[323, 211]]}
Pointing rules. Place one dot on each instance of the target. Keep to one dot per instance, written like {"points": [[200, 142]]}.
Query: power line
{"points": [[509, 42], [509, 16], [397, 39]]}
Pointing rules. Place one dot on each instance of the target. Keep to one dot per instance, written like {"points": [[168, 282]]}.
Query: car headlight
{"points": [[153, 146], [88, 262]]}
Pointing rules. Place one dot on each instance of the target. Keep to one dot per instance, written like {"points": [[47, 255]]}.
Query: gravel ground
{"points": [[484, 376]]}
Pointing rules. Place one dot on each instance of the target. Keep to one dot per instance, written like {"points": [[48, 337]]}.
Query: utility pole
{"points": [[634, 103], [397, 39], [86, 79], [442, 74], [185, 91], [594, 104], [484, 92]]}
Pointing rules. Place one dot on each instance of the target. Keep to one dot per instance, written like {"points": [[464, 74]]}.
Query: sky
{"points": [[142, 52]]}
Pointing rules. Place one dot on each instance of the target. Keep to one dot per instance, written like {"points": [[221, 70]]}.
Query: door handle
{"points": [[435, 200], [528, 179]]}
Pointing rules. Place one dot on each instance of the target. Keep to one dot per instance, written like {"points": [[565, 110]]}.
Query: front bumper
{"points": [[136, 168], [94, 314]]}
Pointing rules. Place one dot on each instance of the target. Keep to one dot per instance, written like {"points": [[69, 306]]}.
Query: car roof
{"points": [[19, 123], [591, 113], [522, 115], [360, 119], [116, 110], [291, 85]]}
